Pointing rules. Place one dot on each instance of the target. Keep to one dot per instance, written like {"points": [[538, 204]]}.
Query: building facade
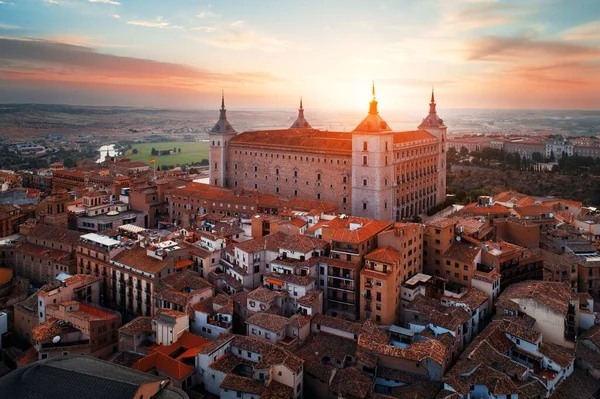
{"points": [[370, 172]]}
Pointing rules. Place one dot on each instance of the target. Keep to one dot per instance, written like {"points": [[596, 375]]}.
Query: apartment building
{"points": [[350, 238], [386, 268]]}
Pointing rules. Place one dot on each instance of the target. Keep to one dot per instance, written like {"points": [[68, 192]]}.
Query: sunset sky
{"points": [[268, 53]]}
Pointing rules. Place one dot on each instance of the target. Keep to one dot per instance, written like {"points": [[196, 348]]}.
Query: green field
{"points": [[191, 152]]}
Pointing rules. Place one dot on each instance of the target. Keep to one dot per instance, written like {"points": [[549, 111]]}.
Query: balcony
{"points": [[337, 272], [346, 301], [350, 249], [340, 284]]}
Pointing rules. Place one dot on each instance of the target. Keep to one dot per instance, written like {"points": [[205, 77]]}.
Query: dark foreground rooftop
{"points": [[80, 377]]}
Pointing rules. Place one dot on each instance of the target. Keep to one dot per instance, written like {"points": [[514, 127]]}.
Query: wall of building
{"points": [[547, 321]]}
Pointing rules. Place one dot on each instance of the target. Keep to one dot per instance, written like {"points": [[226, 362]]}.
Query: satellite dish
{"points": [[457, 238], [56, 339]]}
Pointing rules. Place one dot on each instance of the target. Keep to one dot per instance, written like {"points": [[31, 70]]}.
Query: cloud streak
{"points": [[110, 2], [43, 60], [158, 22]]}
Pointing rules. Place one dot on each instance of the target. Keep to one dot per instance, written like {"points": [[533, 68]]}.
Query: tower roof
{"points": [[432, 119], [301, 122], [373, 123], [222, 125]]}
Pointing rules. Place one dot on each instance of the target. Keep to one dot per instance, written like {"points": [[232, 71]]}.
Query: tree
{"points": [[153, 151], [69, 162], [204, 162], [174, 149], [135, 151], [464, 151], [552, 157], [193, 171], [537, 157], [179, 150]]}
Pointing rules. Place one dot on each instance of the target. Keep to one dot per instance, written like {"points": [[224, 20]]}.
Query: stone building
{"points": [[370, 172]]}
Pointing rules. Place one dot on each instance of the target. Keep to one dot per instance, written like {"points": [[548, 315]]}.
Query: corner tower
{"points": [[372, 166], [433, 124], [219, 137]]}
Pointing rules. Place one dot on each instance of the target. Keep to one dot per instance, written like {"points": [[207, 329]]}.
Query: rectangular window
{"points": [[364, 160], [365, 146]]}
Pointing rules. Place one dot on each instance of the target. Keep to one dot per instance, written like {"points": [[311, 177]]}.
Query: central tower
{"points": [[372, 166]]}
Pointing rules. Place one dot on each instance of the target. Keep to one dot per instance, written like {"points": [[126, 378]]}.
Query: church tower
{"points": [[372, 166], [301, 122], [433, 124], [219, 137]]}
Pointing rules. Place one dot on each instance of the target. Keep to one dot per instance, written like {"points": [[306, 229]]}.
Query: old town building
{"points": [[370, 172]]}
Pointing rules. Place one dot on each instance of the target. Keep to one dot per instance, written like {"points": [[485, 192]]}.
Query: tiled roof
{"points": [[449, 317], [463, 252], [139, 325], [243, 384], [43, 252], [351, 382], [417, 351], [340, 229], [322, 346], [441, 223], [264, 294], [558, 354], [337, 323], [174, 369], [297, 140], [413, 135], [472, 298], [181, 287], [533, 210], [46, 330], [555, 295], [270, 322], [386, 255], [56, 234], [136, 257], [302, 244], [271, 242], [270, 354]]}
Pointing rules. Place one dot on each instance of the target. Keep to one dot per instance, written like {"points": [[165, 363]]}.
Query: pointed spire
{"points": [[222, 125], [223, 113], [373, 103], [301, 122], [432, 103]]}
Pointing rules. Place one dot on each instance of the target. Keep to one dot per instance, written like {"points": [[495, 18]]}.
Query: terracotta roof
{"points": [[414, 135], [386, 255], [302, 244], [341, 231], [441, 223], [351, 382], [533, 210], [291, 278], [558, 354], [463, 252], [29, 356], [137, 258], [336, 323], [296, 140], [448, 317], [243, 384], [325, 346], [40, 251], [174, 369], [555, 295], [81, 279], [271, 242], [417, 351], [139, 325], [46, 330], [264, 294], [181, 287], [472, 298], [270, 354], [271, 322], [55, 234]]}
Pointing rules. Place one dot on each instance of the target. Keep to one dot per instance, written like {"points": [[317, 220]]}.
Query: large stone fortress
{"points": [[371, 171]]}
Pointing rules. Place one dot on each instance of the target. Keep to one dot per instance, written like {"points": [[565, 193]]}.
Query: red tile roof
{"points": [[173, 368]]}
